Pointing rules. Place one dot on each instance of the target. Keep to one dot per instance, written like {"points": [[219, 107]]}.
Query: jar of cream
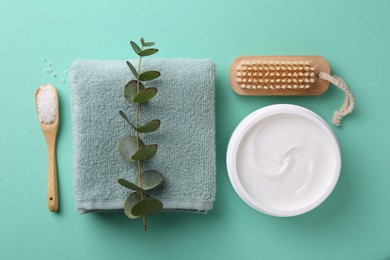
{"points": [[283, 160]]}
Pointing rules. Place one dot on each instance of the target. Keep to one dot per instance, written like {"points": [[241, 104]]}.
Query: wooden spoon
{"points": [[50, 132]]}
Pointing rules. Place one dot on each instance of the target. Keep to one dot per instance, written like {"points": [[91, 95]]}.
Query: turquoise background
{"points": [[354, 36]]}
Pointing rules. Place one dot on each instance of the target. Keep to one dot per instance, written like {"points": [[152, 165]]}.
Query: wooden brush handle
{"points": [[52, 197]]}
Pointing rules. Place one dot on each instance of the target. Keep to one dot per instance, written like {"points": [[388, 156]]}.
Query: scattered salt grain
{"points": [[54, 74], [65, 71], [47, 104], [63, 80]]}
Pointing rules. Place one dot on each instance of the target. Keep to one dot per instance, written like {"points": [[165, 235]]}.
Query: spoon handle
{"points": [[52, 197]]}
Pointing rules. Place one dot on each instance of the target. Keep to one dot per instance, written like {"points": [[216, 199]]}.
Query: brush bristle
{"points": [[275, 74]]}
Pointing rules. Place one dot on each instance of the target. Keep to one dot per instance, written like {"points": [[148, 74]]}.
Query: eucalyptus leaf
{"points": [[146, 207], [136, 48], [149, 75], [151, 126], [131, 89], [148, 44], [146, 152], [126, 119], [150, 179], [128, 147], [147, 52], [132, 69], [145, 95], [130, 202], [128, 185], [142, 40]]}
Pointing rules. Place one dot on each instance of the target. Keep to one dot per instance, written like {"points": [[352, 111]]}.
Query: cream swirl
{"points": [[284, 159]]}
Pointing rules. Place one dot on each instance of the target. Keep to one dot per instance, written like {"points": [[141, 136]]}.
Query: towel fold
{"points": [[186, 137]]}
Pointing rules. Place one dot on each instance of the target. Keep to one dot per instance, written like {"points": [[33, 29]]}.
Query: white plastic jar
{"points": [[283, 160]]}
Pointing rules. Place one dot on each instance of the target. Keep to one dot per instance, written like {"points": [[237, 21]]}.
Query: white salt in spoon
{"points": [[46, 100]]}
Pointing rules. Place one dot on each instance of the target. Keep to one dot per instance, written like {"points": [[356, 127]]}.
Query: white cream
{"points": [[286, 163]]}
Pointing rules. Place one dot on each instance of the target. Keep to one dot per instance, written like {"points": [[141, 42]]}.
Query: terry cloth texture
{"points": [[186, 138]]}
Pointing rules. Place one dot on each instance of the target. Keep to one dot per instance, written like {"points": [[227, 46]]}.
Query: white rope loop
{"points": [[349, 101]]}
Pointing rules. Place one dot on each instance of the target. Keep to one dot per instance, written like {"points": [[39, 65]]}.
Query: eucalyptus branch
{"points": [[132, 148], [137, 137]]}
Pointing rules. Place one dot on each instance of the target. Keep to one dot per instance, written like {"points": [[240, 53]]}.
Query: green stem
{"points": [[137, 137]]}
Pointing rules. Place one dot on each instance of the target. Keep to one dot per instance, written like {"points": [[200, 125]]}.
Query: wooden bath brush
{"points": [[287, 76]]}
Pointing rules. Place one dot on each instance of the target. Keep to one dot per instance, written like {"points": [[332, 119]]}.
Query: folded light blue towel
{"points": [[186, 152]]}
